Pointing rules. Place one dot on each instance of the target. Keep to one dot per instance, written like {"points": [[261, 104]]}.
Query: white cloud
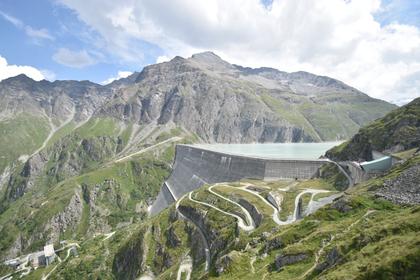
{"points": [[16, 22], [162, 58], [7, 71], [48, 75], [120, 75], [341, 39], [76, 59], [36, 34]]}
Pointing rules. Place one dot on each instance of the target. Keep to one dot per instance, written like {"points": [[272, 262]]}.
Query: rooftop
{"points": [[49, 250]]}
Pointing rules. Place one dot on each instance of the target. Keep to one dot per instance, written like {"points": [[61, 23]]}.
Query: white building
{"points": [[49, 254]]}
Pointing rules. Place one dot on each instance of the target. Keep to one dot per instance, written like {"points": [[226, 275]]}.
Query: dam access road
{"points": [[195, 166]]}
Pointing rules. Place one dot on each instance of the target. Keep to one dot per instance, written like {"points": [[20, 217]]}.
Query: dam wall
{"points": [[196, 166]]}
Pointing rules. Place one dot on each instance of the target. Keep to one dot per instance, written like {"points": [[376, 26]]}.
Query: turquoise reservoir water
{"points": [[274, 150]]}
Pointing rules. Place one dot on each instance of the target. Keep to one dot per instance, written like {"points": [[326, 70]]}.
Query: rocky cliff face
{"points": [[66, 158], [58, 100], [221, 102], [66, 220], [127, 263], [217, 242], [217, 110], [23, 179], [215, 100]]}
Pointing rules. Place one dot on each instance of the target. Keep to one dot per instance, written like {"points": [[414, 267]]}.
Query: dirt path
{"points": [[172, 139], [349, 178], [54, 130], [251, 263], [186, 267], [297, 198], [108, 235], [275, 215]]}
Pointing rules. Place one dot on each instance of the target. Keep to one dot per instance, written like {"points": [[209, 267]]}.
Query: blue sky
{"points": [[403, 11], [67, 32], [372, 45]]}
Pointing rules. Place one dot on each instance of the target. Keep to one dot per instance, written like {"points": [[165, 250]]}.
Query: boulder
{"points": [[283, 260]]}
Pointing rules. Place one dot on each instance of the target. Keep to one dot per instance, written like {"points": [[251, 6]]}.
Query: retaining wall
{"points": [[196, 166]]}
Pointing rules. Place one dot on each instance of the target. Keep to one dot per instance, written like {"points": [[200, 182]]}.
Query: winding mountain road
{"points": [[275, 215], [241, 223], [250, 221], [349, 178]]}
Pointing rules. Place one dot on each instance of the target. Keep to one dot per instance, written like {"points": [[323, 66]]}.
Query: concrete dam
{"points": [[195, 166]]}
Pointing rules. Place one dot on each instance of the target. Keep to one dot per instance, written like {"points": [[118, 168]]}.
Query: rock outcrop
{"points": [[172, 238], [223, 264], [128, 261], [331, 259], [253, 211], [284, 260], [66, 158], [216, 242], [342, 204], [23, 180], [272, 244], [67, 220]]}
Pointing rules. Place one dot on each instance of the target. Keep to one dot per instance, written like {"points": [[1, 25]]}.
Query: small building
{"points": [[49, 254], [37, 259]]}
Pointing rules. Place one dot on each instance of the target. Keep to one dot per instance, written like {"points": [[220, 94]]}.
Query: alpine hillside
{"points": [[249, 229], [79, 160]]}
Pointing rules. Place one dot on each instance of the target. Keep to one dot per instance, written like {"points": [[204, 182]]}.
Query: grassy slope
{"points": [[381, 245], [133, 183], [399, 127], [374, 240], [21, 136], [315, 117]]}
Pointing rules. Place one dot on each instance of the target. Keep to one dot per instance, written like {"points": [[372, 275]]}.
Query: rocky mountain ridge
{"points": [[226, 103], [218, 101]]}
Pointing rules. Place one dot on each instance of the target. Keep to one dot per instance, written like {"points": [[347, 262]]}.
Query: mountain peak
{"points": [[211, 60], [20, 77], [208, 58], [206, 55], [19, 80]]}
